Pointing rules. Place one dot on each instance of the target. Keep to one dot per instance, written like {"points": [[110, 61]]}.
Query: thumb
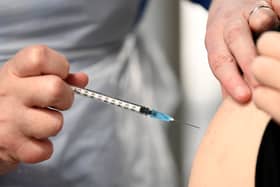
{"points": [[77, 79]]}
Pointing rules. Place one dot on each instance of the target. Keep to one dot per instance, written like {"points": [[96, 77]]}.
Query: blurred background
{"points": [[178, 26]]}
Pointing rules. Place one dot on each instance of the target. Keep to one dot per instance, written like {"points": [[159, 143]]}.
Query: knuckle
{"points": [[38, 55]]}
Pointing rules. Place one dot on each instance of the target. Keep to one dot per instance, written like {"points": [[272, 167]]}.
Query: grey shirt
{"points": [[76, 28]]}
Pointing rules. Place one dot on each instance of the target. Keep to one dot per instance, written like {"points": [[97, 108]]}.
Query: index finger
{"points": [[239, 40], [39, 60], [224, 67]]}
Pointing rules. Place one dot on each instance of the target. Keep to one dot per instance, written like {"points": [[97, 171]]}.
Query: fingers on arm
{"points": [[266, 69], [267, 96], [238, 38], [224, 67]]}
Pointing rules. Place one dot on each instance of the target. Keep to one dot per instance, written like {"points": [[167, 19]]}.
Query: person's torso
{"points": [[99, 145], [75, 28]]}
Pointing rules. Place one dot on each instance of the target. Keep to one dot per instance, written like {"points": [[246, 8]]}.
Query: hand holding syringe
{"points": [[33, 80]]}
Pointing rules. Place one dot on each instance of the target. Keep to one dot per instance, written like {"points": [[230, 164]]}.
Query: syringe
{"points": [[125, 105]]}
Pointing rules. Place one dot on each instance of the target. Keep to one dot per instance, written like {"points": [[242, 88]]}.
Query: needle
{"points": [[127, 105], [184, 123]]}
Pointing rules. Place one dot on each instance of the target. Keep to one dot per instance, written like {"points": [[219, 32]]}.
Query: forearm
{"points": [[228, 153]]}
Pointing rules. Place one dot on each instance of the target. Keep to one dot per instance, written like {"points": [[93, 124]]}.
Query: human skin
{"points": [[228, 152], [230, 44], [31, 82], [266, 69]]}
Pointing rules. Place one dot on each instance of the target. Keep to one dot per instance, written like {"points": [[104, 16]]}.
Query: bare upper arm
{"points": [[228, 152]]}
